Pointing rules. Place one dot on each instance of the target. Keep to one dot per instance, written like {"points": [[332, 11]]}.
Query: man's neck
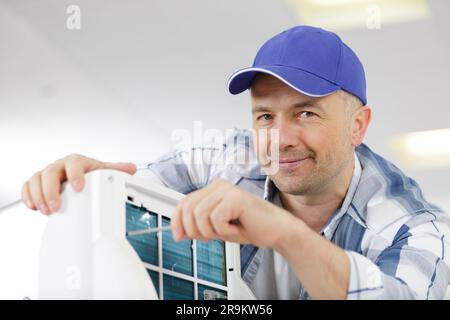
{"points": [[316, 209]]}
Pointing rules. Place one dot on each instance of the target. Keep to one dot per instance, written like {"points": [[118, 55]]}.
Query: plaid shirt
{"points": [[396, 241]]}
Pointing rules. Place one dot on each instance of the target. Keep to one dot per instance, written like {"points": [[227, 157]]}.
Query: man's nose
{"points": [[289, 136]]}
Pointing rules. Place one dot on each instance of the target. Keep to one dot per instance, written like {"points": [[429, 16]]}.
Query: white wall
{"points": [[137, 70]]}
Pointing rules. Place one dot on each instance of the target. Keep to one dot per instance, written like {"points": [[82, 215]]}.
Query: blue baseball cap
{"points": [[311, 60]]}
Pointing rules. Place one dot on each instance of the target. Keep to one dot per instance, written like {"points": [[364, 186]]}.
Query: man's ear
{"points": [[360, 121]]}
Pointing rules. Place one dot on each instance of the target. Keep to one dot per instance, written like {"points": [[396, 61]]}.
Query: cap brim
{"points": [[302, 81]]}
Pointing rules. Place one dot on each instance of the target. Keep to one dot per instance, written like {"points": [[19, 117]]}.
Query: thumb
{"points": [[127, 167]]}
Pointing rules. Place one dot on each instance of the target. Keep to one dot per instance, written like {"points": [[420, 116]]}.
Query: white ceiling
{"points": [[137, 70]]}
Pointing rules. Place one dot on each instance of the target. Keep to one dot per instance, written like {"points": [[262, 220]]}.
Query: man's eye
{"points": [[306, 114], [265, 117]]}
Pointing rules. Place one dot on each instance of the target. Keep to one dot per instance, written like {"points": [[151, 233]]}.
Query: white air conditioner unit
{"points": [[85, 253]]}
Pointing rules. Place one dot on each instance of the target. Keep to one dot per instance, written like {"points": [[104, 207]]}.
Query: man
{"points": [[334, 221]]}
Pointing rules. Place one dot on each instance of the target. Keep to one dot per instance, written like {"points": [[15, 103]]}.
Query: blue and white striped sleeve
{"points": [[183, 170], [186, 170], [415, 266]]}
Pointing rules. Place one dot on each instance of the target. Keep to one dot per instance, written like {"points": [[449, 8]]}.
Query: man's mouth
{"points": [[291, 163]]}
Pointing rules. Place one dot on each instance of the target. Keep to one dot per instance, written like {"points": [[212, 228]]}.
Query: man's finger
{"points": [[127, 167], [36, 193], [221, 219], [207, 202], [183, 219], [26, 196], [201, 202], [176, 224], [51, 183], [187, 217], [75, 173]]}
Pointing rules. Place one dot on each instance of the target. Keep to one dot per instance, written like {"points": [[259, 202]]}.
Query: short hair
{"points": [[352, 102]]}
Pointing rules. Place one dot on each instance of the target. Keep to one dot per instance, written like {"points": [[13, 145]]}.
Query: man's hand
{"points": [[227, 212], [224, 211], [43, 189]]}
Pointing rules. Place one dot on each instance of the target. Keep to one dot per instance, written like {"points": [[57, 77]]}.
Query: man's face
{"points": [[314, 134]]}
